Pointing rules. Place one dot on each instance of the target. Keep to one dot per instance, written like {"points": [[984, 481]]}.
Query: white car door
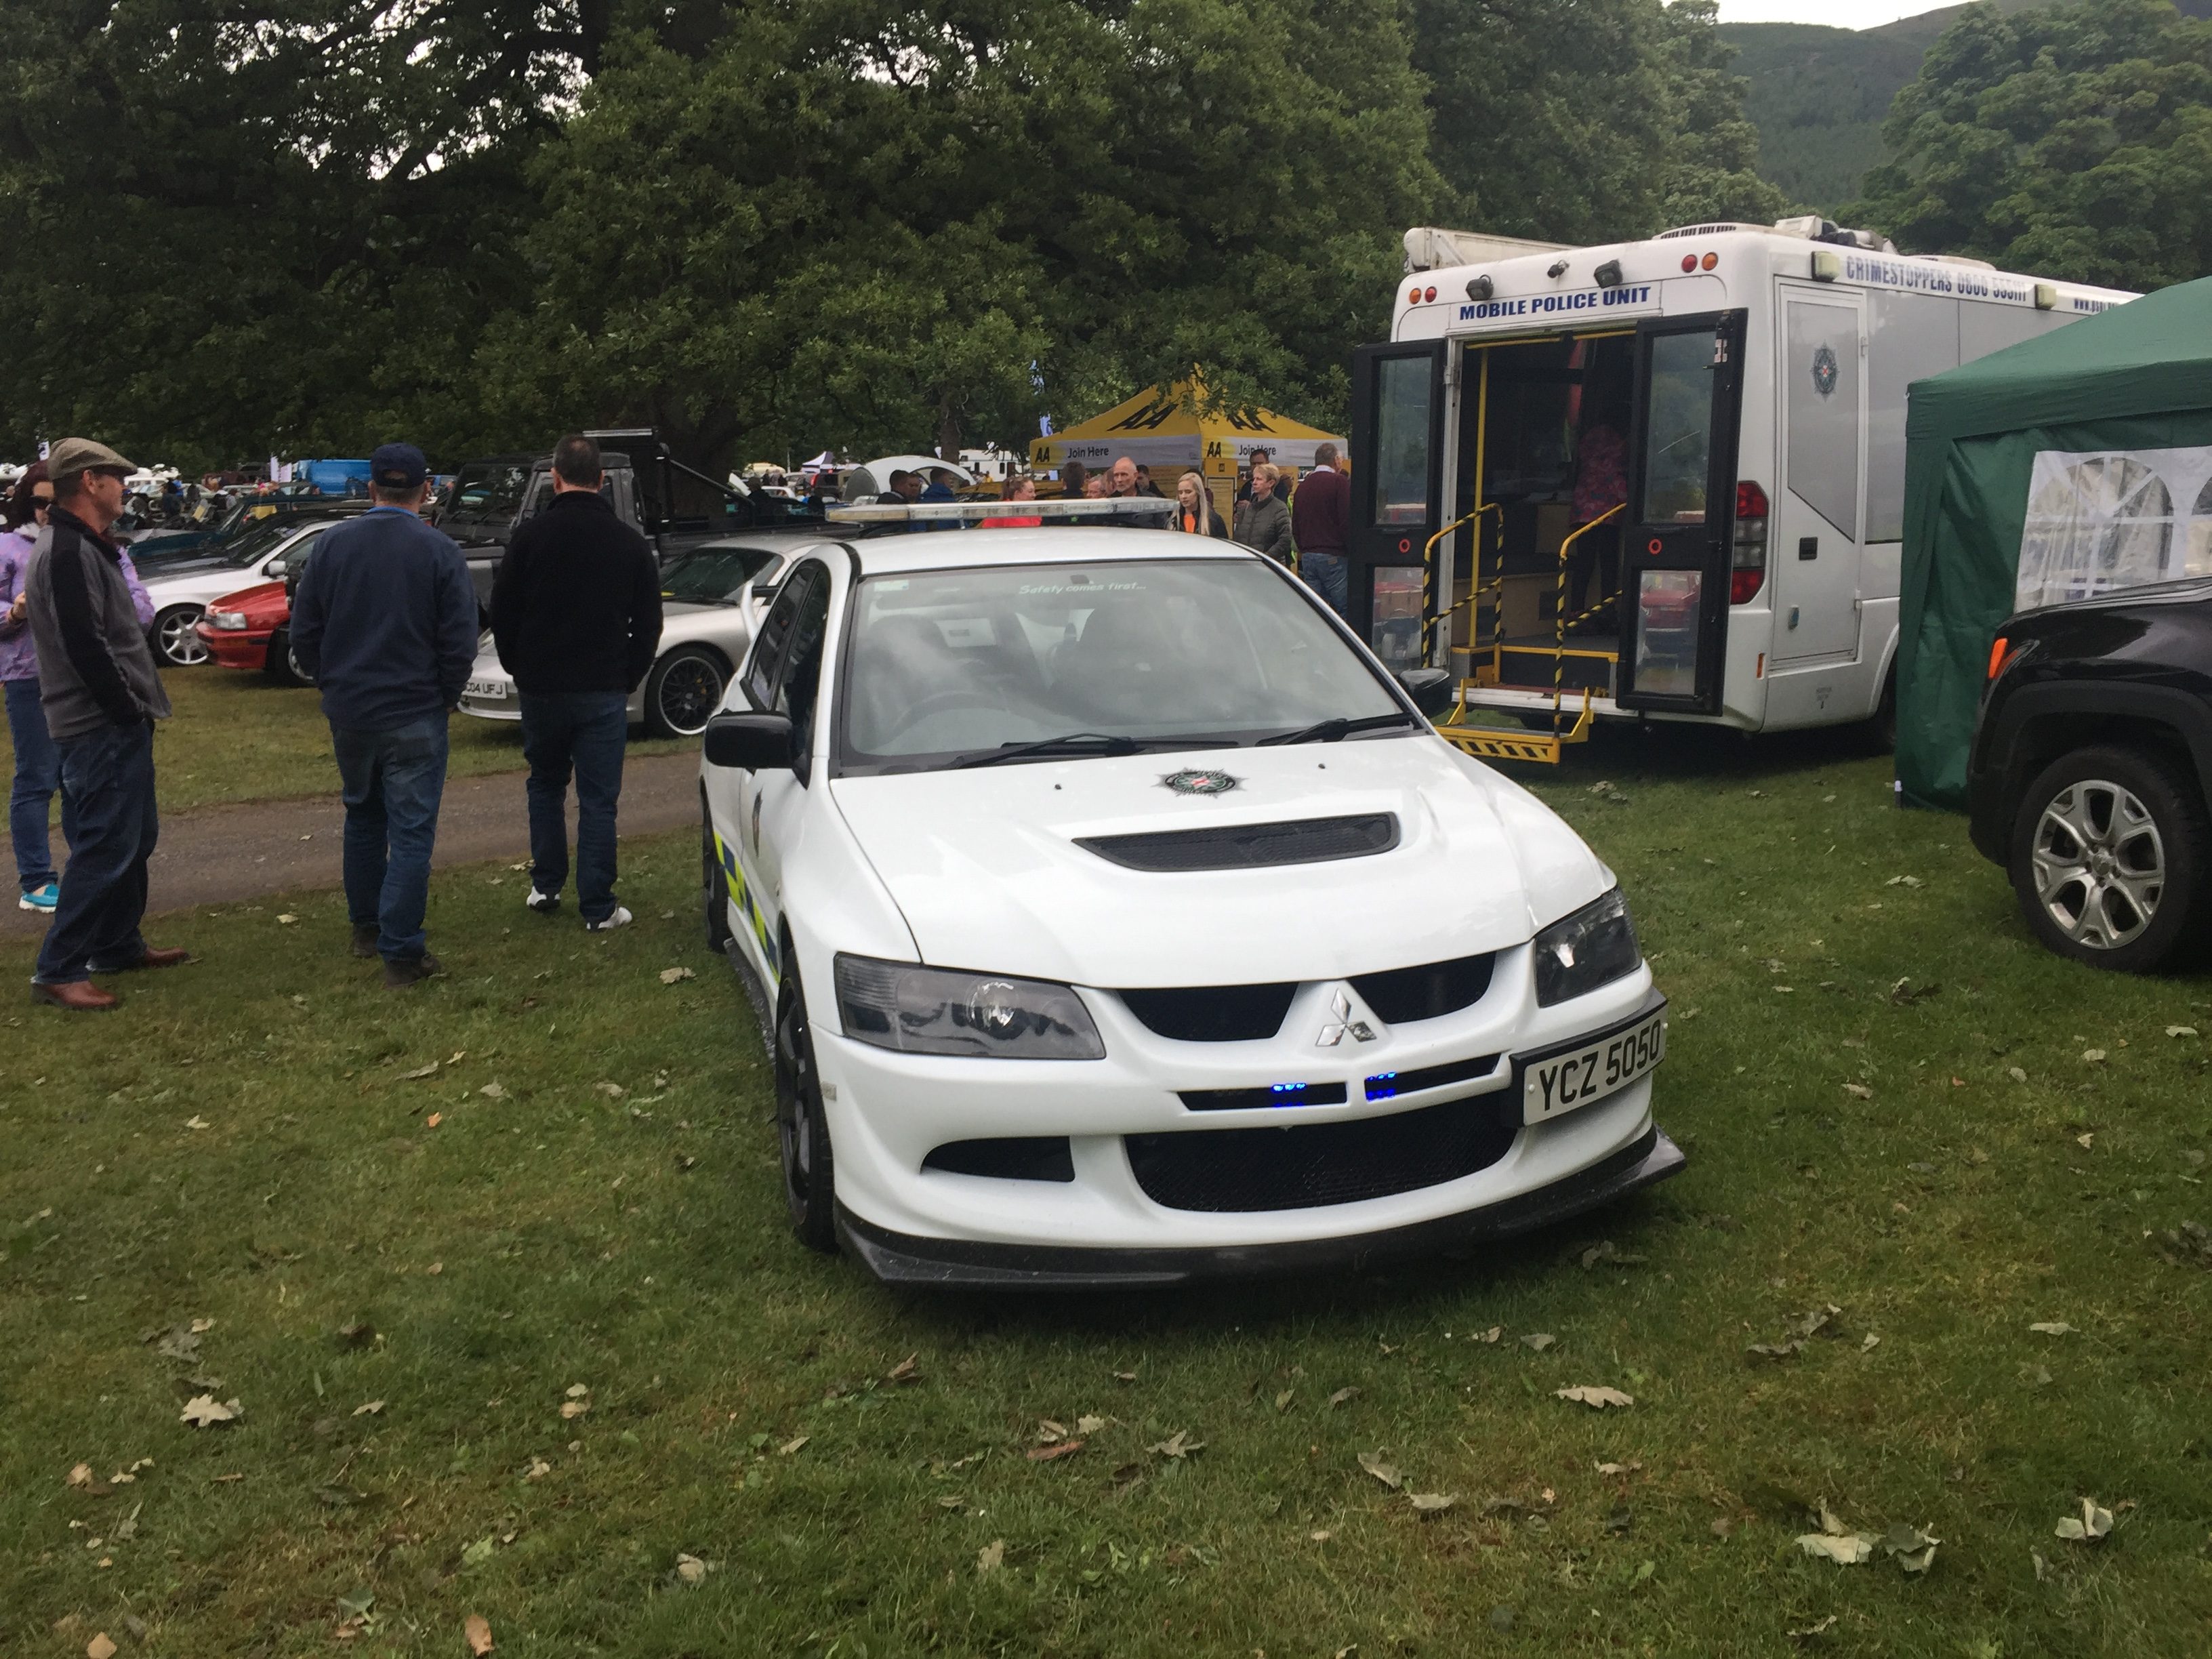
{"points": [[766, 808]]}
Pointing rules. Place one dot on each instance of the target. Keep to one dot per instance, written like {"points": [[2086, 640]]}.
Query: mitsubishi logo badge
{"points": [[1341, 1023]]}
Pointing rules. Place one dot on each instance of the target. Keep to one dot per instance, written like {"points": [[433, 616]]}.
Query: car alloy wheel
{"points": [[2110, 857], [176, 640], [685, 689], [802, 1131], [2100, 864]]}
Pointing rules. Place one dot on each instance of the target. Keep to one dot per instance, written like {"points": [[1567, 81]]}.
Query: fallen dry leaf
{"points": [[195, 1121], [1343, 1396], [1629, 1468], [1057, 1448], [991, 1556], [1819, 1626], [573, 1409], [1539, 1340], [670, 976], [374, 1408], [1596, 1398], [100, 1647], [419, 1073], [433, 1120], [1845, 1550], [691, 1569], [906, 1371], [1430, 1502], [1858, 1092], [286, 920], [2053, 1328], [1385, 1472], [494, 1090], [204, 1411], [477, 1629], [1089, 1423], [793, 1444], [2093, 1525], [2181, 1030], [2094, 1056], [80, 1476], [1177, 1445]]}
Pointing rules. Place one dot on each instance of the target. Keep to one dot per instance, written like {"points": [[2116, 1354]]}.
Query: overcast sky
{"points": [[1839, 14]]}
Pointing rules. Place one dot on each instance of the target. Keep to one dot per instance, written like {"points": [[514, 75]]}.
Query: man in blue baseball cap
{"points": [[386, 622]]}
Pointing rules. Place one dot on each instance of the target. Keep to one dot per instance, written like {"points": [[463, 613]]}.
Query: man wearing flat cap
{"points": [[101, 695], [385, 625]]}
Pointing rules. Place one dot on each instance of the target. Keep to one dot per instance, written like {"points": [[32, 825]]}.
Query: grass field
{"points": [[1893, 1103], [236, 736]]}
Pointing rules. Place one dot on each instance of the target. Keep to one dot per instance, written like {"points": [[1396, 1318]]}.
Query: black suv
{"points": [[2091, 772]]}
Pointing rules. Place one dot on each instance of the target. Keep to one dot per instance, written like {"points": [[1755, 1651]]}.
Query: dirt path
{"points": [[219, 854]]}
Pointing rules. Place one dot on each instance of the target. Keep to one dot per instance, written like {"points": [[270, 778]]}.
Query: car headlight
{"points": [[1592, 947], [935, 1011], [226, 619]]}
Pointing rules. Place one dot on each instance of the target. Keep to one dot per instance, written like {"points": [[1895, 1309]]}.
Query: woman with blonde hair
{"points": [[1195, 514]]}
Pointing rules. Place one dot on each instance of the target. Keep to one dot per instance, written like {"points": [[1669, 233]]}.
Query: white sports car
{"points": [[1117, 919], [709, 612]]}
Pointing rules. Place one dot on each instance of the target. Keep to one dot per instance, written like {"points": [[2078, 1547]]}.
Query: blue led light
{"points": [[1383, 1087]]}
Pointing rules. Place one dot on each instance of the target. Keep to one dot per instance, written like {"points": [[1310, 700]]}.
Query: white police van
{"points": [[1660, 478]]}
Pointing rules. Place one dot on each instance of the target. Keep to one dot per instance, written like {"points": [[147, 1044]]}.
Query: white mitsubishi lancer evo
{"points": [[1124, 922]]}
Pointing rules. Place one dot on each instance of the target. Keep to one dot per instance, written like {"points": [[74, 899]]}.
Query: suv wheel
{"points": [[802, 1131], [176, 639], [2110, 855], [685, 687]]}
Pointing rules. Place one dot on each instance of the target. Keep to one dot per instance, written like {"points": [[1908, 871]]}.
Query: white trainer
{"points": [[545, 903], [619, 917]]}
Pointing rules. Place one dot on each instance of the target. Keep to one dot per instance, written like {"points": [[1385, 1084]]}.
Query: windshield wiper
{"points": [[1331, 731], [1073, 743]]}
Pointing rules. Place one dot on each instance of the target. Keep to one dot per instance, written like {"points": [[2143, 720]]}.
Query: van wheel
{"points": [[713, 888], [1881, 727], [2111, 858], [683, 690], [176, 639], [802, 1131]]}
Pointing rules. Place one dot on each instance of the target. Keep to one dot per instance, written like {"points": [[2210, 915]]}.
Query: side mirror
{"points": [[750, 741], [1431, 689]]}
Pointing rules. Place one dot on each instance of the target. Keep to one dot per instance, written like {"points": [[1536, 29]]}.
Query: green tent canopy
{"points": [[2103, 401]]}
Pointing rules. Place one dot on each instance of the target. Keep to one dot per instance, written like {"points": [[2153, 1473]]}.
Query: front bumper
{"points": [[234, 647], [1143, 1181], [953, 1264]]}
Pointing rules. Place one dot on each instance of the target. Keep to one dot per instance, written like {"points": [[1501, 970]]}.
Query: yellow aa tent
{"points": [[1163, 429]]}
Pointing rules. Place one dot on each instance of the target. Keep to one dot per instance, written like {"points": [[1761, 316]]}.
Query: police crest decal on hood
{"points": [[1193, 783]]}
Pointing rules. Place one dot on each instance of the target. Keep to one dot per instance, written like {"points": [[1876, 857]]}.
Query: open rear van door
{"points": [[1676, 533], [1398, 426]]}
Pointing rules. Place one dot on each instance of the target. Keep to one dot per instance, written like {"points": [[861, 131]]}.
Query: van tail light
{"points": [[2002, 652], [1748, 566]]}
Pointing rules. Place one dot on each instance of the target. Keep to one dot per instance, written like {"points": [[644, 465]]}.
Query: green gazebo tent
{"points": [[2093, 445]]}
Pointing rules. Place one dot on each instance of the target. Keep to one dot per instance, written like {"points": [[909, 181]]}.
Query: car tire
{"points": [[714, 889], [802, 1130], [175, 642], [284, 664], [2110, 857], [684, 688]]}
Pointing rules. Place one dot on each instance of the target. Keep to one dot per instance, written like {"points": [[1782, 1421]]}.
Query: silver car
{"points": [[712, 596]]}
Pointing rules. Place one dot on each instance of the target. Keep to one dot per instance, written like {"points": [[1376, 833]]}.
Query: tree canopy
{"points": [[762, 224], [2074, 141]]}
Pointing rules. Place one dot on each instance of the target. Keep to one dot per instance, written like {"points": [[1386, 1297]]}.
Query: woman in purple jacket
{"points": [[38, 763]]}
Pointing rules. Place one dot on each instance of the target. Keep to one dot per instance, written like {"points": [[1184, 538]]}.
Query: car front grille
{"points": [[1428, 992], [1309, 1166], [1251, 846], [1213, 1013]]}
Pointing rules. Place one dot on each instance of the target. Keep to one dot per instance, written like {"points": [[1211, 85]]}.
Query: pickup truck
{"points": [[675, 507]]}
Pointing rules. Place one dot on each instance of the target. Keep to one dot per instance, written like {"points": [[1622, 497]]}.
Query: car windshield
{"points": [[956, 665], [711, 575], [488, 491], [259, 542]]}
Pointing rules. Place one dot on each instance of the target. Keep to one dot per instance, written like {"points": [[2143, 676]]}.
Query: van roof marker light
{"points": [[1826, 267], [1481, 288]]}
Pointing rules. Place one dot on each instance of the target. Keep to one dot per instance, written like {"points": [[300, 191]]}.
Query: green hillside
{"points": [[1818, 95]]}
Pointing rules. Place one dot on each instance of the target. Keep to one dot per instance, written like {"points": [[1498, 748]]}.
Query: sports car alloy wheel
{"points": [[176, 637], [2100, 864], [684, 688], [801, 1132]]}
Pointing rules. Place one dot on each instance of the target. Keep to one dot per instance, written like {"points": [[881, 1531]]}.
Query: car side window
{"points": [[768, 650], [799, 692], [294, 559]]}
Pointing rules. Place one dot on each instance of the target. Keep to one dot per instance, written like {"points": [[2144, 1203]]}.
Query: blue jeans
{"points": [[38, 774], [1326, 574], [392, 782], [584, 731], [107, 788]]}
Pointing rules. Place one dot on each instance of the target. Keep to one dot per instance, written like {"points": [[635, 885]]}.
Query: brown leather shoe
{"points": [[175, 956], [82, 996]]}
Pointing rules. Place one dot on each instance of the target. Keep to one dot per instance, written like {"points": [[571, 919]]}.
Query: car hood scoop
{"points": [[1303, 862]]}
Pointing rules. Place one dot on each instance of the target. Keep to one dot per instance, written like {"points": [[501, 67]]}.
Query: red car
{"points": [[251, 629]]}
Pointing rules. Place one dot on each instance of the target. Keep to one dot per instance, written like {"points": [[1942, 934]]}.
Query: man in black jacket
{"points": [[575, 612]]}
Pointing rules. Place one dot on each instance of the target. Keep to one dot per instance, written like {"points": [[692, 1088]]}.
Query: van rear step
{"points": [[1498, 742]]}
